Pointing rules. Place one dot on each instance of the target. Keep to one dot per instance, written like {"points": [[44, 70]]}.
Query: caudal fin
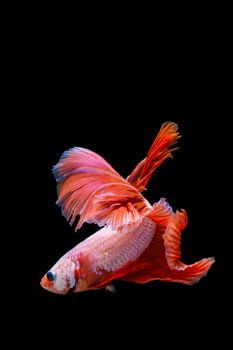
{"points": [[160, 261], [160, 150]]}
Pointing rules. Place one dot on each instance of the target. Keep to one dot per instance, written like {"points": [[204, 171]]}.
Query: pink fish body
{"points": [[138, 243]]}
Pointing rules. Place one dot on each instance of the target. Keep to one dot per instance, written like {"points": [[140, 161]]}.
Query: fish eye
{"points": [[51, 276]]}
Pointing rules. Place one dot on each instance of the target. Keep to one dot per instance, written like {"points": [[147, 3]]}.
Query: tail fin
{"points": [[160, 260], [159, 151], [172, 238]]}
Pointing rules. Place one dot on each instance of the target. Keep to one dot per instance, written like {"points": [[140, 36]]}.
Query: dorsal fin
{"points": [[88, 186]]}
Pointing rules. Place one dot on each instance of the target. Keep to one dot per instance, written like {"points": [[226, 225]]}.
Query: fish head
{"points": [[61, 277]]}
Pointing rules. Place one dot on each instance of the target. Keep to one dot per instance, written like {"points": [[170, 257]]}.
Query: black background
{"points": [[112, 97]]}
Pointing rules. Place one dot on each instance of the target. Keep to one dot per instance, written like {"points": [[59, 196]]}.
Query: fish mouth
{"points": [[42, 283], [46, 286]]}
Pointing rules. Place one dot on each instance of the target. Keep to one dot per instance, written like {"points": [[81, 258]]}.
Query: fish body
{"points": [[105, 252], [138, 242]]}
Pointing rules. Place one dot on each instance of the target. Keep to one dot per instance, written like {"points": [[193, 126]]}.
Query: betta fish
{"points": [[138, 242]]}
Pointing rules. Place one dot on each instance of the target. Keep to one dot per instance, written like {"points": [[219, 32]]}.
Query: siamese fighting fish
{"points": [[137, 242]]}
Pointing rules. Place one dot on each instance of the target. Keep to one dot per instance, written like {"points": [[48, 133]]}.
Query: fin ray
{"points": [[159, 151], [88, 186], [160, 212], [153, 265]]}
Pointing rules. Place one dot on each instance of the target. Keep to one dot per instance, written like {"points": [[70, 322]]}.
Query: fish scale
{"points": [[111, 254]]}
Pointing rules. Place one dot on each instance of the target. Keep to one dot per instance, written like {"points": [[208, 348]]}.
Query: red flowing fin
{"points": [[191, 275], [159, 151], [88, 186], [172, 239], [153, 265], [160, 212]]}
